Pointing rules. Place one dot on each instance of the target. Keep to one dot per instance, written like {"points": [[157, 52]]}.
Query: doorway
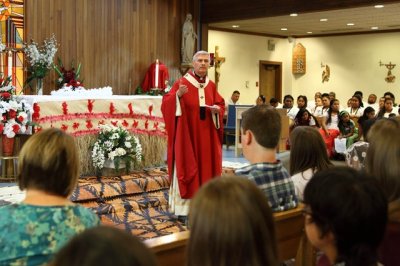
{"points": [[271, 80]]}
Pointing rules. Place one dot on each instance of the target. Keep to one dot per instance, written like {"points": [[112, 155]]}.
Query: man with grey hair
{"points": [[193, 111]]}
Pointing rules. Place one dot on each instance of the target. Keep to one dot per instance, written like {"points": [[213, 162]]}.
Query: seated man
{"points": [[261, 129], [234, 100]]}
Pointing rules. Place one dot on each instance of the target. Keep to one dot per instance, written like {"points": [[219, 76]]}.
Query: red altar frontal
{"points": [[80, 117]]}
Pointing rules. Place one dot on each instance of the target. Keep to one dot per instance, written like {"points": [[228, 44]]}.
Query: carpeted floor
{"points": [[137, 203]]}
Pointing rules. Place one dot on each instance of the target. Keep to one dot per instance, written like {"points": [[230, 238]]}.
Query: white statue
{"points": [[188, 40]]}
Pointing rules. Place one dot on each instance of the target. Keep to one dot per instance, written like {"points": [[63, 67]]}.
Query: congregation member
{"points": [[325, 104], [387, 108], [307, 156], [35, 229], [317, 109], [360, 95], [355, 110], [311, 104], [304, 118], [347, 128], [288, 102], [193, 112], [382, 161], [345, 217], [231, 223], [330, 126], [332, 95], [372, 101], [365, 122], [105, 246], [260, 100], [275, 103], [261, 129], [301, 103], [233, 100]]}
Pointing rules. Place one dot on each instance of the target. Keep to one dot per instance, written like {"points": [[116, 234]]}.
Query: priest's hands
{"points": [[181, 90], [215, 109]]}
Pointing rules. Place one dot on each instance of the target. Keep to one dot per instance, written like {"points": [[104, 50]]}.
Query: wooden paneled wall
{"points": [[115, 40]]}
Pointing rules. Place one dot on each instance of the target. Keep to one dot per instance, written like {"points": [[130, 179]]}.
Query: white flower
{"points": [[120, 151], [128, 144]]}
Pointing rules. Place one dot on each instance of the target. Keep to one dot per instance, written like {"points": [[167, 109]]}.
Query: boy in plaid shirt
{"points": [[261, 129]]}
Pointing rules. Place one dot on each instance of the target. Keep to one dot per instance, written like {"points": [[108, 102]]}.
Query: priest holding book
{"points": [[193, 111]]}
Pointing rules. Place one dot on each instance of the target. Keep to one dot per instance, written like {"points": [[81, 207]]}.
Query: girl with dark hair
{"points": [[365, 122], [307, 156], [345, 216], [305, 118], [301, 103], [387, 109], [356, 109], [347, 128], [330, 126]]}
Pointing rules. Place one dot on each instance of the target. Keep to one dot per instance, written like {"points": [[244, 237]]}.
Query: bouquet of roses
{"points": [[117, 145], [68, 77], [14, 112]]}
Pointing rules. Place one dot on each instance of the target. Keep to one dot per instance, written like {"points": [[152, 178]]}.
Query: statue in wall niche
{"points": [[188, 40], [326, 73]]}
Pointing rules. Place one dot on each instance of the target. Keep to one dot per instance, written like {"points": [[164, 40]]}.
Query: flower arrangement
{"points": [[68, 78], [117, 145], [14, 112], [40, 58]]}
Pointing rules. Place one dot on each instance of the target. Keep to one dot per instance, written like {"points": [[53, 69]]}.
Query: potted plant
{"points": [[116, 148]]}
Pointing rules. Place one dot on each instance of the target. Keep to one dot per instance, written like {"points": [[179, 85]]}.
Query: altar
{"points": [[80, 117]]}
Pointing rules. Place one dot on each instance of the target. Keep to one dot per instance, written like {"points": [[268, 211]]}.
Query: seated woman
{"points": [[231, 223], [387, 109], [301, 103], [307, 156], [330, 126], [32, 231], [305, 118], [345, 216], [382, 161], [105, 246], [365, 122], [355, 110]]}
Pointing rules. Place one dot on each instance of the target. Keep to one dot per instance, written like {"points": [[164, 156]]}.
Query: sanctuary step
{"points": [[137, 203]]}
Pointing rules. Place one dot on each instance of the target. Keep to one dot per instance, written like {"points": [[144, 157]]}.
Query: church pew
{"points": [[290, 236]]}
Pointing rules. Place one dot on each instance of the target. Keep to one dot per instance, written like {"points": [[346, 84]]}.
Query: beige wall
{"points": [[353, 61]]}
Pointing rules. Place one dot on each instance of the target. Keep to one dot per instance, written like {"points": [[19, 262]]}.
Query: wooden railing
{"points": [[170, 250]]}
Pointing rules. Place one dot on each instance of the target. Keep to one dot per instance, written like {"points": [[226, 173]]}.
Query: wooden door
{"points": [[271, 80]]}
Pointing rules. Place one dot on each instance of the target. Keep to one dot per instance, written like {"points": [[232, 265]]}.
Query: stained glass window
{"points": [[12, 34]]}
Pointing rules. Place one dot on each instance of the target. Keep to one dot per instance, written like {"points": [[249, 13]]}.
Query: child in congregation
{"points": [[105, 246], [231, 224], [317, 109], [387, 108], [347, 128], [307, 156], [261, 129], [34, 230], [345, 217], [304, 118]]}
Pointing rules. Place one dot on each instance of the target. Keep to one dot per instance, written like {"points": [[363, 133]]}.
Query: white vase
{"points": [[39, 86], [108, 163]]}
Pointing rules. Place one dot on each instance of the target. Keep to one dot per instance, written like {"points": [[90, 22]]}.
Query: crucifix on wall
{"points": [[218, 60]]}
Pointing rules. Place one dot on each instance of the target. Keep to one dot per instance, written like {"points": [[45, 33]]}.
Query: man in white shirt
{"points": [[234, 100]]}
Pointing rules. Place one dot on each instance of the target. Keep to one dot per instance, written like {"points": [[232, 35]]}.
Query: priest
{"points": [[193, 111]]}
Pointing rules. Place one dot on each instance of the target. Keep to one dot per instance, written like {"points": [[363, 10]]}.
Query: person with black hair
{"points": [[260, 100], [365, 122], [345, 216]]}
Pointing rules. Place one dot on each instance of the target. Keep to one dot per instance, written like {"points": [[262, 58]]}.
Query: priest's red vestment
{"points": [[194, 145]]}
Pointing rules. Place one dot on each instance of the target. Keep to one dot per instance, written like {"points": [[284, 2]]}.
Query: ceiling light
{"points": [[309, 32], [235, 26], [379, 6], [374, 28], [323, 19], [350, 24], [294, 15], [283, 28]]}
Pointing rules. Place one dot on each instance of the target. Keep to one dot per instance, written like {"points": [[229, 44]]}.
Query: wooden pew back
{"points": [[170, 250]]}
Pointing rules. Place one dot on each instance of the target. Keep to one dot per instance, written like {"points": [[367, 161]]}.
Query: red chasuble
{"points": [[195, 145]]}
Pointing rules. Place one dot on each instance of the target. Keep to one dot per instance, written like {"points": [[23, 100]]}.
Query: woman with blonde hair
{"points": [[32, 231], [382, 161], [231, 224]]}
